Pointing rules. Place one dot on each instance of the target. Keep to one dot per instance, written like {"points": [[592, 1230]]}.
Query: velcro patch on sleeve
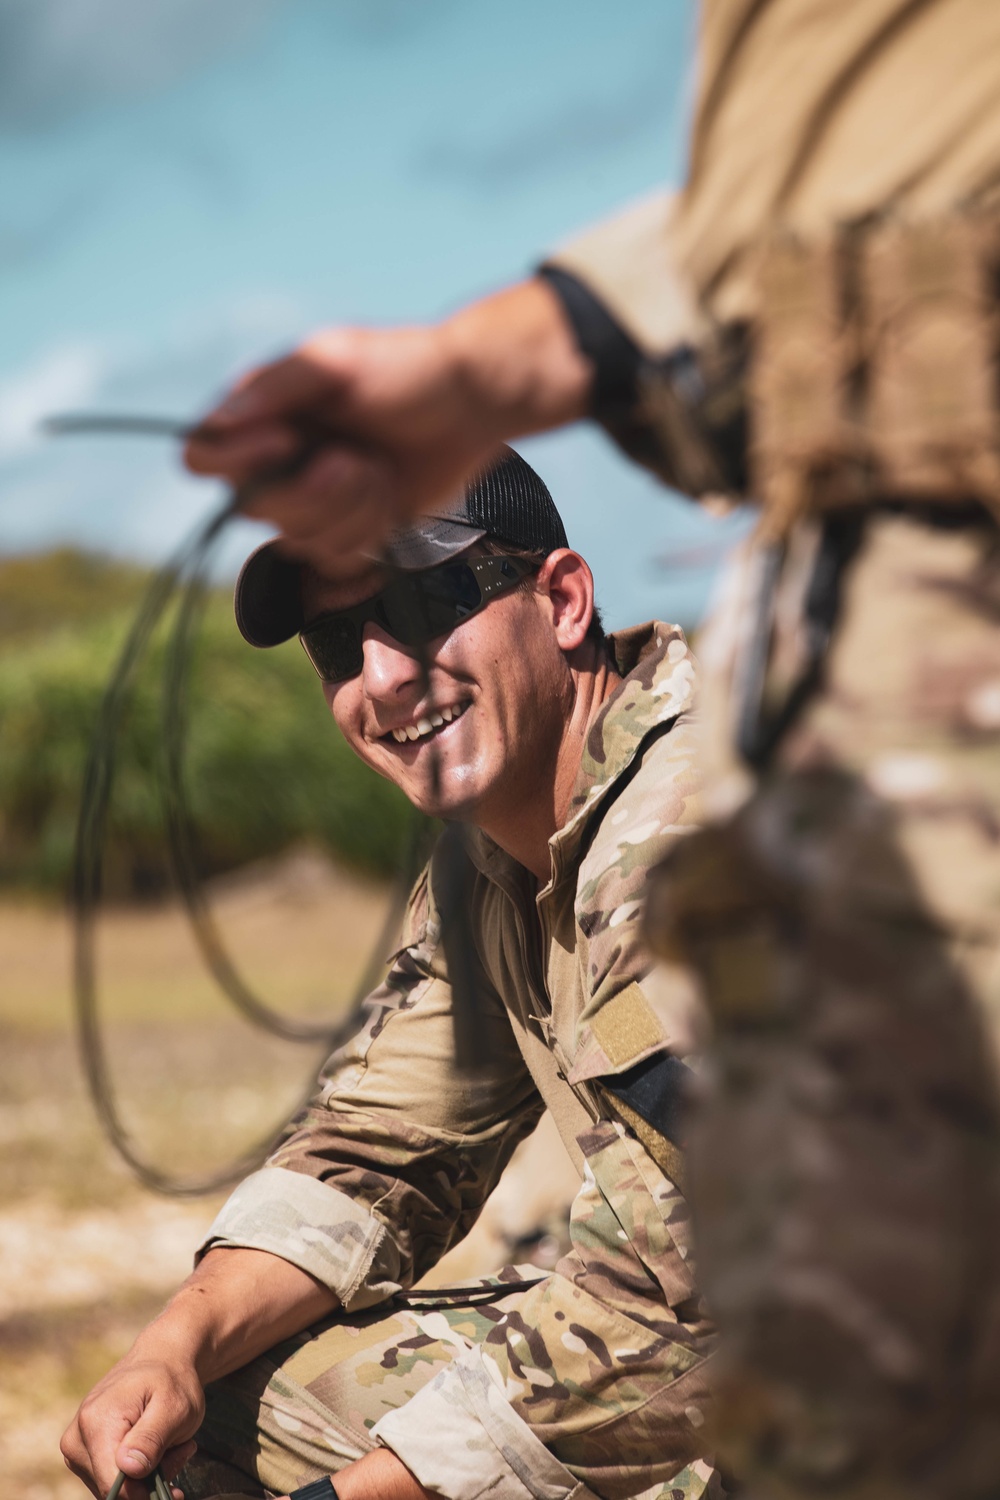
{"points": [[627, 1026]]}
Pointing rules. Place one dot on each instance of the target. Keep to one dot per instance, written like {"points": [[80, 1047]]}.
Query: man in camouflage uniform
{"points": [[810, 322], [570, 755]]}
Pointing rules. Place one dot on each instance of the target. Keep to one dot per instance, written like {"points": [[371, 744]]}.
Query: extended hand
{"points": [[388, 423]]}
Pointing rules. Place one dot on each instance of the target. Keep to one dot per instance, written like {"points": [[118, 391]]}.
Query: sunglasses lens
{"points": [[453, 587], [432, 603], [413, 609], [333, 646]]}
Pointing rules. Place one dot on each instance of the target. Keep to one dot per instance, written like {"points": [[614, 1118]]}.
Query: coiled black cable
{"points": [[183, 580]]}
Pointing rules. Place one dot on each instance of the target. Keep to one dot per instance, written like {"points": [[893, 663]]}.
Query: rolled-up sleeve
{"points": [[461, 1436], [317, 1228], [391, 1163]]}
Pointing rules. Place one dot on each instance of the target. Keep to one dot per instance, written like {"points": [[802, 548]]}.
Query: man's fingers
{"points": [[344, 503], [88, 1452], [300, 383], [264, 418], [346, 548], [98, 1469], [174, 1460], [335, 480], [82, 1472], [99, 1474], [240, 453], [342, 552]]}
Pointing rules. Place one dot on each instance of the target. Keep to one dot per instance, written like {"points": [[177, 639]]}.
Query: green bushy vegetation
{"points": [[265, 767]]}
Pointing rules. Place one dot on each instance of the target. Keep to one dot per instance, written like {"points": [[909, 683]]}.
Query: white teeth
{"points": [[437, 719]]}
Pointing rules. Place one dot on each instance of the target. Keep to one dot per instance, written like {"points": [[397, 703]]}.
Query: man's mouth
{"points": [[430, 724]]}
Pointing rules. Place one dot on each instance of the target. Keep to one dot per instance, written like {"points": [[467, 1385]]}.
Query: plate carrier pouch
{"points": [[873, 369]]}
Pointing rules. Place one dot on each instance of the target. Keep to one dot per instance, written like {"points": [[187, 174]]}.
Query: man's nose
{"points": [[390, 668]]}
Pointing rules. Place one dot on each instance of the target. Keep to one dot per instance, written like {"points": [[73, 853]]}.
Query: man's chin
{"points": [[446, 809], [450, 804]]}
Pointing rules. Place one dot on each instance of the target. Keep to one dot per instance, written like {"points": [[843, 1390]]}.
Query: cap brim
{"points": [[433, 540], [268, 597]]}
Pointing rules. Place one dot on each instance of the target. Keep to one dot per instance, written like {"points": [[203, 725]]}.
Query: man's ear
{"points": [[566, 580]]}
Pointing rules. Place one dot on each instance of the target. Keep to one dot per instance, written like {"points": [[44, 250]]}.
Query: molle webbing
{"points": [[872, 375]]}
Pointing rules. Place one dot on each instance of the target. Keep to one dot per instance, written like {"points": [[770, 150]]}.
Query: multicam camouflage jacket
{"points": [[598, 1383]]}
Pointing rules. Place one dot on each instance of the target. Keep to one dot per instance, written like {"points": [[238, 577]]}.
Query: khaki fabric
{"points": [[808, 115], [842, 913], [602, 1373]]}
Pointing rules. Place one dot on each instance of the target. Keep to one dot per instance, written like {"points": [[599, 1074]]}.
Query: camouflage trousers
{"points": [[307, 1407], [842, 911]]}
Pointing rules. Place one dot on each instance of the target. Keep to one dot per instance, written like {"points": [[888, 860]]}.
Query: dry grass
{"points": [[302, 932]]}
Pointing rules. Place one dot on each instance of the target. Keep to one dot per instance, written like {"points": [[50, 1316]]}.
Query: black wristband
{"points": [[317, 1489], [616, 357], [682, 413]]}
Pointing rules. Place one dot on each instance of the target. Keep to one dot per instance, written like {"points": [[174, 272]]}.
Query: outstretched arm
{"points": [[399, 418]]}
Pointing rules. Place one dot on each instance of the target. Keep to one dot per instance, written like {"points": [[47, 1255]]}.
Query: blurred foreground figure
{"points": [[812, 322]]}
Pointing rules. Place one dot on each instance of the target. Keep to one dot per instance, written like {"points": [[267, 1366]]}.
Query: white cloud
{"points": [[58, 380], [124, 495], [58, 56]]}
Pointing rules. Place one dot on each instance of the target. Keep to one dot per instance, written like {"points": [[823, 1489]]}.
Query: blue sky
{"points": [[190, 185]]}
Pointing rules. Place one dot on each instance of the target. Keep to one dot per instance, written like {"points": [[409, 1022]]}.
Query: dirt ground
{"points": [[88, 1255]]}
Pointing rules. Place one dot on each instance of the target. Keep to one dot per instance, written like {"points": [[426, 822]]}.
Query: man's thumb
{"points": [[140, 1449]]}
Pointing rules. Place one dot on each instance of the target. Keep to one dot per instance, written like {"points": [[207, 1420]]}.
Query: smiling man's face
{"points": [[479, 735]]}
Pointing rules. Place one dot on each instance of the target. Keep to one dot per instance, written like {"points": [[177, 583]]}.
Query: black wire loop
{"points": [[185, 575]]}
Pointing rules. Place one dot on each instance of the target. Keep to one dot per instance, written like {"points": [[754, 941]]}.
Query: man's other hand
{"points": [[380, 1475], [143, 1413], [359, 430]]}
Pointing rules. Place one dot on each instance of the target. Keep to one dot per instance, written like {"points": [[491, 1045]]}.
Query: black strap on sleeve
{"points": [[656, 1090], [616, 357]]}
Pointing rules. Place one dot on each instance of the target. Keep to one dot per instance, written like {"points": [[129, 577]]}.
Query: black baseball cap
{"points": [[507, 501]]}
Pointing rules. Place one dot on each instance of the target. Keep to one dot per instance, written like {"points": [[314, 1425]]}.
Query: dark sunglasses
{"points": [[413, 608]]}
